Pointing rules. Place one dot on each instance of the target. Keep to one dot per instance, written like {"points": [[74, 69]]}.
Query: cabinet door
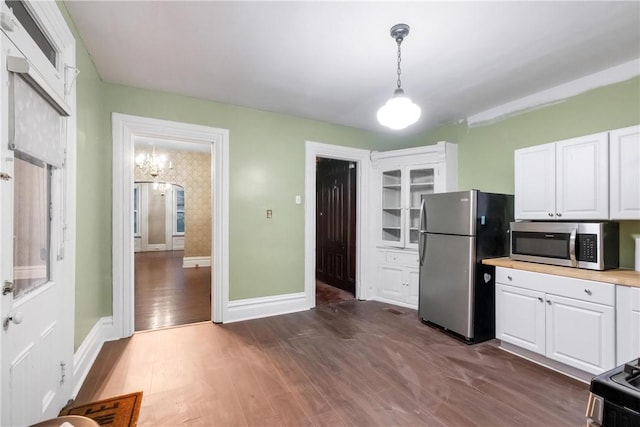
{"points": [[580, 334], [627, 324], [391, 285], [582, 173], [392, 233], [412, 285], [419, 181], [520, 317], [624, 164], [535, 182]]}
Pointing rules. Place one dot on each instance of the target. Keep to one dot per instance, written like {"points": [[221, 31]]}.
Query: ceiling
{"points": [[336, 62]]}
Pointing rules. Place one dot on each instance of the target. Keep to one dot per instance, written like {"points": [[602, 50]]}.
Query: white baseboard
{"points": [[156, 247], [254, 308], [88, 351], [570, 371], [394, 302], [196, 261]]}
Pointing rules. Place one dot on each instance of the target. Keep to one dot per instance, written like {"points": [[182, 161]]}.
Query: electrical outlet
{"points": [[269, 213]]}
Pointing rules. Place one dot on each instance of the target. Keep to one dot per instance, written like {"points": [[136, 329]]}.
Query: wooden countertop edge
{"points": [[616, 277]]}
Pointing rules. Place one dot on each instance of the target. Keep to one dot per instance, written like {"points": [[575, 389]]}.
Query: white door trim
{"points": [[362, 159], [125, 129]]}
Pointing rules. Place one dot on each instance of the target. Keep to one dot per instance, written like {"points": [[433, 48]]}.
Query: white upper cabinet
{"points": [[563, 180], [624, 146], [582, 172], [535, 186]]}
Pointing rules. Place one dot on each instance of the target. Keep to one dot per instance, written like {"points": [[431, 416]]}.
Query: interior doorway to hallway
{"points": [[125, 130], [336, 216]]}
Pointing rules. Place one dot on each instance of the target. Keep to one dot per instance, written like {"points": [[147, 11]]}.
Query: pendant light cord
{"points": [[399, 41]]}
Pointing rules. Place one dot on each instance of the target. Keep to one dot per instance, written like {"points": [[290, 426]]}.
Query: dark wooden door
{"points": [[336, 223]]}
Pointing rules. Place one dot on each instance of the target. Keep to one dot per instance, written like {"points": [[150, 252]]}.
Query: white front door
{"points": [[36, 307]]}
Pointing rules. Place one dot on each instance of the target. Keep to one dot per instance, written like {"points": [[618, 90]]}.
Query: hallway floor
{"points": [[167, 294]]}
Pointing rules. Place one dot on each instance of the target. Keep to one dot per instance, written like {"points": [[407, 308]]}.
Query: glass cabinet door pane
{"points": [[392, 205]]}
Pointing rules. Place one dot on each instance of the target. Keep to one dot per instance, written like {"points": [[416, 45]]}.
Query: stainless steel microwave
{"points": [[591, 245]]}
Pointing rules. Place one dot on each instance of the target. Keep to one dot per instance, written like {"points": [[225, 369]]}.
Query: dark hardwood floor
{"points": [[353, 363], [167, 294], [326, 294]]}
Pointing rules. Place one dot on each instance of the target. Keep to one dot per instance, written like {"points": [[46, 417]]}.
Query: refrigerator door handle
{"points": [[422, 234]]}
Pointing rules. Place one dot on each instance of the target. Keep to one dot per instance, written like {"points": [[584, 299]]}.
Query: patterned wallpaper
{"points": [[191, 170]]}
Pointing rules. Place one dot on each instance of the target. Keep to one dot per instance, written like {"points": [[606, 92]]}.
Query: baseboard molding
{"points": [[156, 247], [570, 371], [254, 308], [390, 301], [88, 351], [196, 261]]}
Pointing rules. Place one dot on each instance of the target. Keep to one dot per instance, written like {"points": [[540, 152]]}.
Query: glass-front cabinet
{"points": [[402, 191]]}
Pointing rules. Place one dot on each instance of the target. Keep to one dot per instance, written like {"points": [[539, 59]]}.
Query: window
{"points": [[32, 223], [179, 211], [31, 27]]}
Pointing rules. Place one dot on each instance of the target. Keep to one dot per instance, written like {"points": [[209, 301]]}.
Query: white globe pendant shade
{"points": [[399, 112]]}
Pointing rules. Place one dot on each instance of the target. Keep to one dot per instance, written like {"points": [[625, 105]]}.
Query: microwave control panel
{"points": [[587, 247]]}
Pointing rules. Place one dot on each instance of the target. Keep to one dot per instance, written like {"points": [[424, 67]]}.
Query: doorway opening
{"points": [[360, 159], [335, 230], [126, 129], [172, 233]]}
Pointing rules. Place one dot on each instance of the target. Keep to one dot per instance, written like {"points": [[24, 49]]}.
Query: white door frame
{"points": [[125, 129], [362, 159]]}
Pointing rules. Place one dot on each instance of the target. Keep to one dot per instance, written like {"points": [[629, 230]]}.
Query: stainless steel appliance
{"points": [[591, 245], [614, 400], [457, 231]]}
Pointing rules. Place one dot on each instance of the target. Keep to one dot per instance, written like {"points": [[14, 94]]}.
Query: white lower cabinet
{"points": [[520, 317], [398, 278], [628, 324], [567, 320]]}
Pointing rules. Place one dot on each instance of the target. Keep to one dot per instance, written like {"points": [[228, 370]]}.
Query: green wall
{"points": [[93, 214], [267, 171], [485, 153], [266, 152]]}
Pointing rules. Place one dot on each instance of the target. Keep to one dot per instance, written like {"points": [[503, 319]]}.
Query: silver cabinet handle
{"points": [[588, 291], [549, 301], [540, 299], [509, 277], [558, 214], [550, 214]]}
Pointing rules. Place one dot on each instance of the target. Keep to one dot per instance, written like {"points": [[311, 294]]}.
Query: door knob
{"points": [[15, 318]]}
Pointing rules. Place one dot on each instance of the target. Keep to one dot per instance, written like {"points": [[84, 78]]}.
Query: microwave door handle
{"points": [[572, 248]]}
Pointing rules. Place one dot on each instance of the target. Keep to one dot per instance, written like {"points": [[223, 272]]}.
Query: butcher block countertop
{"points": [[616, 277]]}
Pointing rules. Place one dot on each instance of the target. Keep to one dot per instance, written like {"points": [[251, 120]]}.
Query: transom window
{"points": [[31, 27]]}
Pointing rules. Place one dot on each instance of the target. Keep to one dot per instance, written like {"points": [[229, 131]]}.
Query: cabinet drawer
{"points": [[409, 259], [585, 290]]}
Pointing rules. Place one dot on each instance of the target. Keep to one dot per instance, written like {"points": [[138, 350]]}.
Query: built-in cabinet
{"points": [[628, 324], [401, 178], [398, 276], [563, 180], [567, 320], [624, 146]]}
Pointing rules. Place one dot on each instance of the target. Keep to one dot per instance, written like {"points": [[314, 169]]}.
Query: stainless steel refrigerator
{"points": [[457, 231]]}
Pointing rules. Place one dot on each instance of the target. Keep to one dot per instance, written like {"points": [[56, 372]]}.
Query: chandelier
{"points": [[399, 112], [152, 164]]}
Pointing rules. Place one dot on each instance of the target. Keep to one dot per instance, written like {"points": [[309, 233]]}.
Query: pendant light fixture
{"points": [[399, 112]]}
